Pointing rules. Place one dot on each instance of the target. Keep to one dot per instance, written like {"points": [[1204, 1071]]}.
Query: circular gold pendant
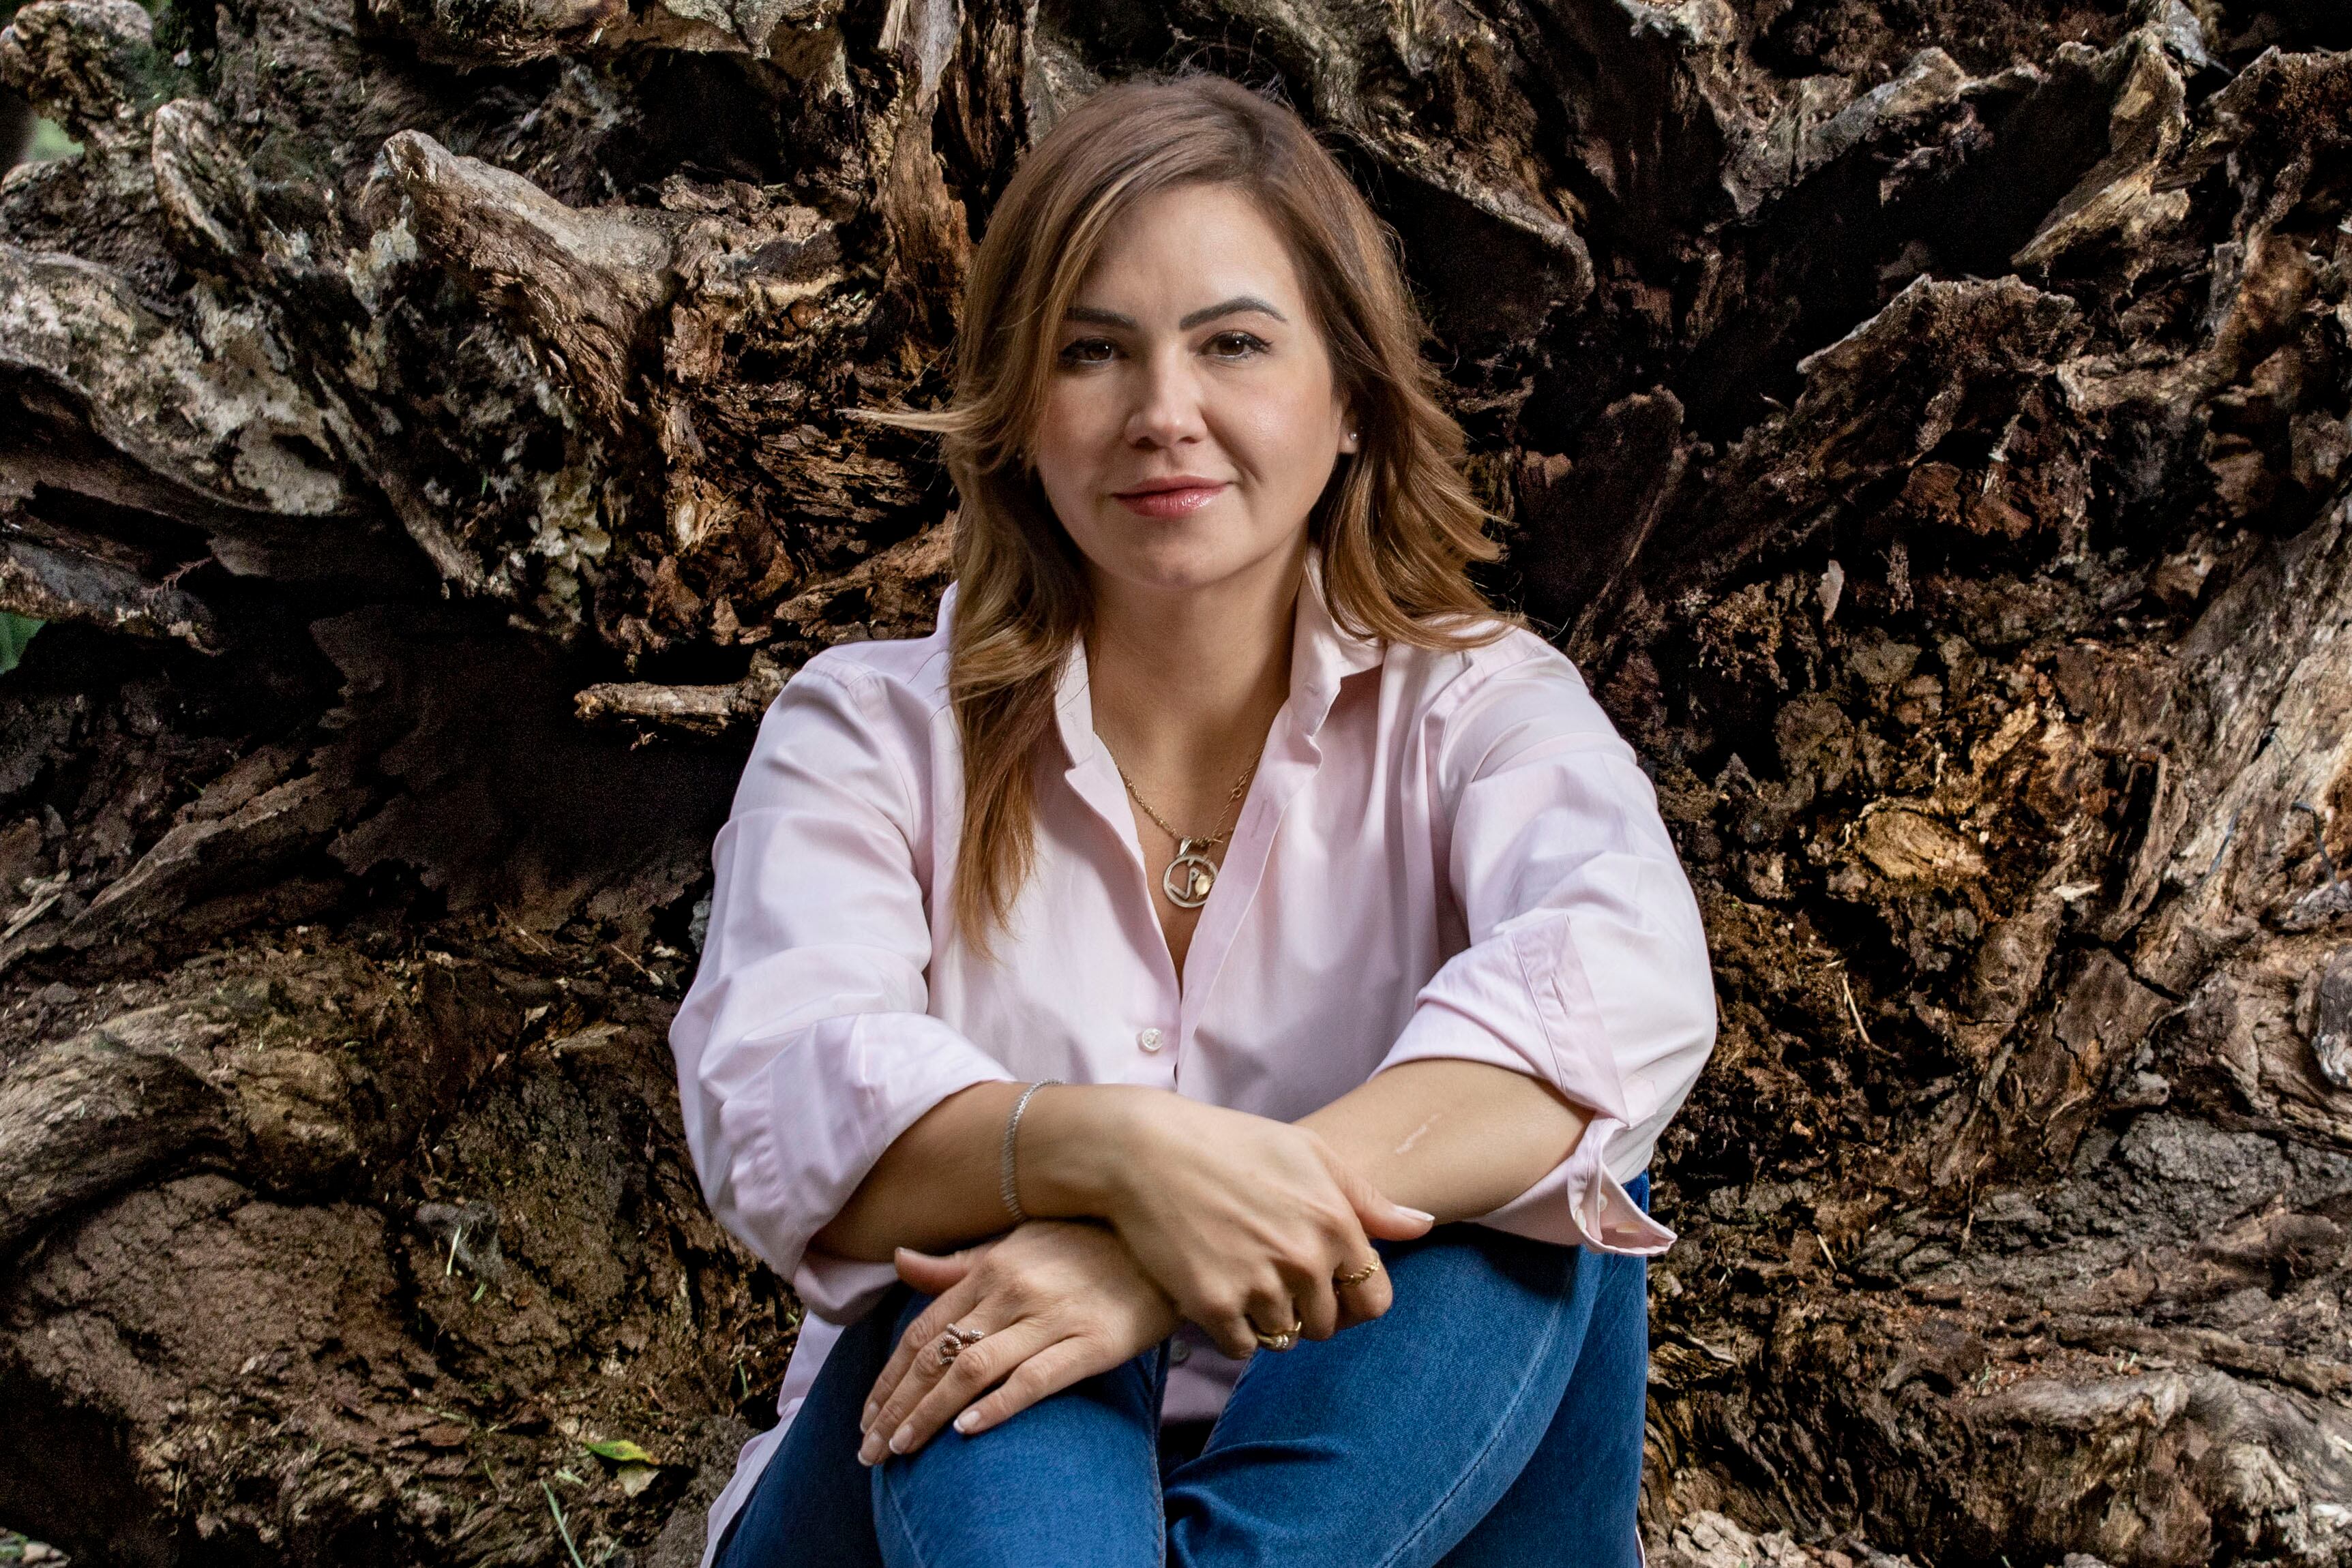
{"points": [[1188, 879]]}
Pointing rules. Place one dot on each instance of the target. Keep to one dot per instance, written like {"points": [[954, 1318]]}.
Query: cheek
{"points": [[1076, 425], [1283, 434], [1063, 445]]}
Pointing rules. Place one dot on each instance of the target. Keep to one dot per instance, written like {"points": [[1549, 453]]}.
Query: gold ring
{"points": [[1359, 1276], [1281, 1339]]}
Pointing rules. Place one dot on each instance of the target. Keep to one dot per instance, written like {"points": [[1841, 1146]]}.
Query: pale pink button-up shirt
{"points": [[1441, 855]]}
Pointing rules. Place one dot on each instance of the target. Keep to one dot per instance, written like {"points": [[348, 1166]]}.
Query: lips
{"points": [[1176, 498]]}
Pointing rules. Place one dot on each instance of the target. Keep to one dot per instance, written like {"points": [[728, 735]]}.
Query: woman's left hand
{"points": [[1055, 1302]]}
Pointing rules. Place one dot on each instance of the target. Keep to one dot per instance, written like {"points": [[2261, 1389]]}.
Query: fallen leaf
{"points": [[621, 1451]]}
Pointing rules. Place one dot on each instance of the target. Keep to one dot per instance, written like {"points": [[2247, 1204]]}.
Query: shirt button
{"points": [[1180, 1353], [1149, 1040]]}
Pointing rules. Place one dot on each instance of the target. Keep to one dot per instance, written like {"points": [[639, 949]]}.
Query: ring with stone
{"points": [[953, 1341], [1281, 1339]]}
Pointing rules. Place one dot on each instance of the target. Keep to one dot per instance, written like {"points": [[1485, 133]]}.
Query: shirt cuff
{"points": [[835, 1097], [1578, 1203], [1520, 1001], [1438, 1032]]}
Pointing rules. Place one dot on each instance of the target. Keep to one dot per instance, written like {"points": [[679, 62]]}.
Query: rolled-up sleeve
{"points": [[1586, 964], [804, 1048]]}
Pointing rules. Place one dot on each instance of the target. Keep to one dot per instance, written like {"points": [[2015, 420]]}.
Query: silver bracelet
{"points": [[1006, 1187]]}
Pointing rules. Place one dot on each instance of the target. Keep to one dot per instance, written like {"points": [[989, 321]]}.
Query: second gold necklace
{"points": [[1187, 878]]}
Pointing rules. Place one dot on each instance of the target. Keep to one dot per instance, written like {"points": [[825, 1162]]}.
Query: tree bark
{"points": [[431, 433]]}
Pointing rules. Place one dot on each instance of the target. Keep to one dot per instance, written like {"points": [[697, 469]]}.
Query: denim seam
{"points": [[1519, 1397], [1159, 1402], [906, 1528], [890, 1497]]}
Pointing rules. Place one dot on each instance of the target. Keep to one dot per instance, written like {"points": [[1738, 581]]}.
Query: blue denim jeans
{"points": [[1491, 1419]]}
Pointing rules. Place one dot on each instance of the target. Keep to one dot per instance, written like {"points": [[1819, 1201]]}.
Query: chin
{"points": [[1175, 558]]}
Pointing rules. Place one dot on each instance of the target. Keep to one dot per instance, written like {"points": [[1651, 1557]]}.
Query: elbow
{"points": [[1699, 1014], [1693, 984], [1680, 1025], [1690, 1036]]}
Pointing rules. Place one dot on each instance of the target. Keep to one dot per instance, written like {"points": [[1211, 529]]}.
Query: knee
{"points": [[1476, 1257]]}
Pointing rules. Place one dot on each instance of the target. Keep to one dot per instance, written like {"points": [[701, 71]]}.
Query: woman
{"points": [[1218, 910]]}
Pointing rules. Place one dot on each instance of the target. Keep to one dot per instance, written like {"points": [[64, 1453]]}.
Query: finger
{"points": [[1233, 1332], [1062, 1365], [1395, 1222], [1389, 1221], [902, 1358], [1346, 1303], [976, 1370], [932, 1275], [1273, 1313], [1366, 1299], [1317, 1303], [923, 1374], [917, 1345]]}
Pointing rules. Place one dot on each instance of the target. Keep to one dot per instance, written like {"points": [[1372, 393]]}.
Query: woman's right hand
{"points": [[1051, 1303], [1242, 1220]]}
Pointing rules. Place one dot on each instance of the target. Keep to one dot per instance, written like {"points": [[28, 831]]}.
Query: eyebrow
{"points": [[1238, 305]]}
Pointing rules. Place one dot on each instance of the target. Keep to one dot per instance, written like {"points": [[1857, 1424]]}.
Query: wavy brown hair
{"points": [[1397, 527]]}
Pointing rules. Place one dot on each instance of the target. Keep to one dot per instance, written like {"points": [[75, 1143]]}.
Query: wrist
{"points": [[1354, 1146], [1075, 1150]]}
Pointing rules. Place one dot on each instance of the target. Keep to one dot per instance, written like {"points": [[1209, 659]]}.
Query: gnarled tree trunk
{"points": [[429, 432]]}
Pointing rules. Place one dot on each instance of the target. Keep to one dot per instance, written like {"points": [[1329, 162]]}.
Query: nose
{"points": [[1167, 412]]}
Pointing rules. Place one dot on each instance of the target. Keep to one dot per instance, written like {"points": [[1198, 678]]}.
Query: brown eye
{"points": [[1089, 351], [1237, 345]]}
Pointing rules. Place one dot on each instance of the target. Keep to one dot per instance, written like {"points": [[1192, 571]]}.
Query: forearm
{"points": [[938, 1186], [934, 1188], [1229, 1214], [1457, 1139]]}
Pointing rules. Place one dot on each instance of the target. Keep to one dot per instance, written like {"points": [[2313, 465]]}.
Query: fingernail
{"points": [[1417, 1214], [903, 1439], [870, 1451], [966, 1422]]}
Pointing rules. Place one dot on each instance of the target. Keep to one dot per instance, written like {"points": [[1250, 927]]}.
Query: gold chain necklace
{"points": [[1187, 878]]}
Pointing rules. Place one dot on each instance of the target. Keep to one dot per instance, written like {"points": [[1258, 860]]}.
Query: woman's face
{"points": [[1192, 419]]}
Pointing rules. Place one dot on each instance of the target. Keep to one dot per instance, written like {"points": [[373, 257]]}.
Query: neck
{"points": [[1184, 685]]}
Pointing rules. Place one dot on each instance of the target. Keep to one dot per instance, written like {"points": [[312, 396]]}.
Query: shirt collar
{"points": [[1322, 654]]}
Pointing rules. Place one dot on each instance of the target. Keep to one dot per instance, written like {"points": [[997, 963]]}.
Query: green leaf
{"points": [[621, 1451], [16, 631]]}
